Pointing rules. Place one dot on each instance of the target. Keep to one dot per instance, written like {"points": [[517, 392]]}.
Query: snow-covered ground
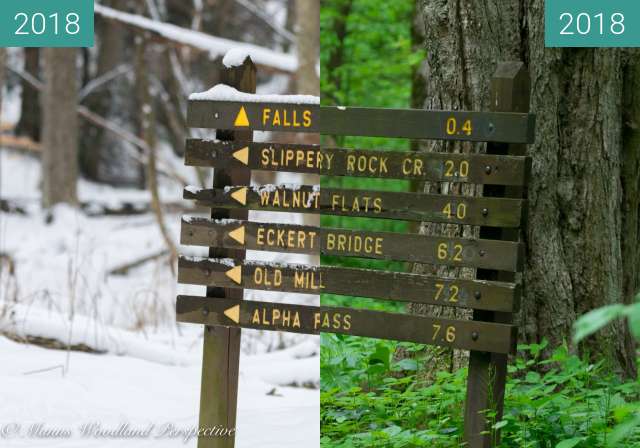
{"points": [[148, 367]]}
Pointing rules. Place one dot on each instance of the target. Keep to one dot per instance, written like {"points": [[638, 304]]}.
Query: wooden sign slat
{"points": [[410, 165], [465, 335], [371, 122], [375, 284], [428, 124], [256, 116], [360, 203], [238, 234]]}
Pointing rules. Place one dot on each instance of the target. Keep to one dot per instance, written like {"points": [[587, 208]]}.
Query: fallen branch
{"points": [[94, 209], [20, 143], [50, 343], [7, 206], [125, 268]]}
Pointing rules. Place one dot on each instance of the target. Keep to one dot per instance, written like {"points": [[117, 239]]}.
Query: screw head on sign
{"points": [[483, 253], [487, 169], [485, 212], [477, 295], [216, 115], [205, 311], [207, 272], [475, 335]]}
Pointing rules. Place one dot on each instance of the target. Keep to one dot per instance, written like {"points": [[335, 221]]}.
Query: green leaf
{"points": [[501, 424], [633, 314], [595, 320], [569, 443], [621, 431]]}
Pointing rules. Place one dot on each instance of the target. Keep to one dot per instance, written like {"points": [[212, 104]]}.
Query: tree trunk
{"points": [[29, 124], [308, 46], [147, 129], [584, 186], [110, 53], [60, 127]]}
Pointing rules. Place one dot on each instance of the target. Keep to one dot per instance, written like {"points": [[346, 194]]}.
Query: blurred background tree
{"points": [[187, 40]]}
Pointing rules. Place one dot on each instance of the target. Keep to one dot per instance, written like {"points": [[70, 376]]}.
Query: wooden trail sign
{"points": [[496, 256], [367, 122], [466, 335], [411, 165], [400, 286], [235, 234], [365, 204]]}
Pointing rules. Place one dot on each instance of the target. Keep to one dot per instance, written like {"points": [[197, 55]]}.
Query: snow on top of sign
{"points": [[215, 46], [235, 57], [222, 92]]}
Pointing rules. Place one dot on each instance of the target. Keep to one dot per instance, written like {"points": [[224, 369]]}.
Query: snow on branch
{"points": [[222, 92], [215, 46]]}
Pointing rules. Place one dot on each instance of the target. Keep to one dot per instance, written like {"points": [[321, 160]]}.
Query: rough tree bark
{"points": [[582, 241], [60, 127]]}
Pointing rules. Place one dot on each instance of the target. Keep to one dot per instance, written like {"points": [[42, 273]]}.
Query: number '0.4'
{"points": [[583, 24], [37, 24]]}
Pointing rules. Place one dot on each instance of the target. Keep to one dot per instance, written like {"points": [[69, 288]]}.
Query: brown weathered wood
{"points": [[401, 123], [488, 254], [427, 124], [228, 273], [296, 158], [466, 335], [367, 204], [283, 117], [510, 91], [221, 350]]}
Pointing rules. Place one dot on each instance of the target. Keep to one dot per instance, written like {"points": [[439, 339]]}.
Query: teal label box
{"points": [[46, 23], [592, 23]]}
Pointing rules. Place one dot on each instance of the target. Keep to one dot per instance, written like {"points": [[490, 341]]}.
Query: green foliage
{"points": [[599, 318], [369, 400], [377, 58]]}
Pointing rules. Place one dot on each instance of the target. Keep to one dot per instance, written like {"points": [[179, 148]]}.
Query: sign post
{"points": [[221, 351], [510, 91]]}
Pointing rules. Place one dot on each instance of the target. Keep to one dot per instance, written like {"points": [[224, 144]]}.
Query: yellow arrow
{"points": [[241, 119], [242, 155], [240, 195], [235, 274], [238, 235], [233, 313]]}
